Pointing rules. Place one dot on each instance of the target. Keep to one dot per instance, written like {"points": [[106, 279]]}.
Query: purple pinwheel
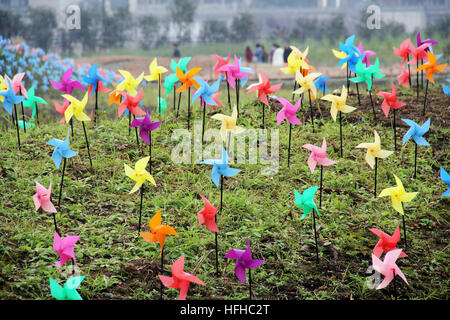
{"points": [[67, 84], [420, 42], [236, 72], [244, 261], [145, 127], [366, 53]]}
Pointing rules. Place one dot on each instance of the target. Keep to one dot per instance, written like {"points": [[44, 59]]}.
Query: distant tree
{"points": [[182, 13], [440, 26], [335, 28], [39, 32], [148, 28], [243, 28], [214, 31], [88, 34], [11, 24], [116, 27]]}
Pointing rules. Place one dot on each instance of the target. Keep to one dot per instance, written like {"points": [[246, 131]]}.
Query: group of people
{"points": [[277, 55]]}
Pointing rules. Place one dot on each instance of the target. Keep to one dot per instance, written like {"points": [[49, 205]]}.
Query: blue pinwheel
{"points": [[220, 168], [321, 83], [61, 150], [206, 91], [10, 98], [416, 132], [446, 178], [93, 77]]}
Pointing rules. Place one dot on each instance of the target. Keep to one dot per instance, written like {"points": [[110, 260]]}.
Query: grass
{"points": [[119, 264]]}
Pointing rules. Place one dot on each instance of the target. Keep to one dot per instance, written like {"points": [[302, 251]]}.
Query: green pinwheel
{"points": [[171, 80], [69, 291], [162, 105], [32, 102], [366, 74], [306, 201]]}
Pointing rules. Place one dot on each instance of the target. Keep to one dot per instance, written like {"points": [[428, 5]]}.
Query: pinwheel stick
{"points": [[140, 208], [250, 283], [71, 127], [203, 103], [320, 195], [311, 109], [237, 84], [37, 114], [348, 81], [61, 185], [373, 107], [395, 132], [415, 161], [417, 78], [189, 108], [162, 272], [129, 123], [23, 118], [295, 88], [357, 90], [289, 148], [375, 185], [409, 72], [174, 97], [395, 285], [87, 143], [340, 131], [179, 102], [137, 138], [159, 93], [315, 236], [263, 108], [228, 89], [96, 104], [221, 208], [425, 100], [404, 230], [150, 151], [17, 125]]}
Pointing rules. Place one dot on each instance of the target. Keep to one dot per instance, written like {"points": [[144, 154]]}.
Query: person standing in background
{"points": [[265, 56], [248, 55], [272, 50], [258, 54], [176, 53], [277, 59], [287, 52]]}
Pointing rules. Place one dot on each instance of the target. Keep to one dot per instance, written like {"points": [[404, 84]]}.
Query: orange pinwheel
{"points": [[431, 67], [115, 96], [158, 232], [187, 79]]}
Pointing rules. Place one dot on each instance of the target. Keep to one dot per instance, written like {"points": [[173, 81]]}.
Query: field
{"points": [[119, 264]]}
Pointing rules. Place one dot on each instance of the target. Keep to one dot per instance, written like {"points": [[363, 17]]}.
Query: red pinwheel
{"points": [[404, 50], [386, 242], [264, 88], [208, 215], [220, 63], [390, 100], [131, 103]]}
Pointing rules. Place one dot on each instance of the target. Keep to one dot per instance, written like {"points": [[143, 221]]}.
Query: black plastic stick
{"points": [[204, 118], [320, 197], [162, 272], [409, 72], [263, 108], [228, 90], [17, 125], [404, 230], [310, 107], [23, 119], [71, 127], [315, 236], [415, 161], [62, 182], [340, 131], [140, 208], [37, 114], [373, 106], [395, 132], [189, 108], [137, 138], [174, 97], [295, 88], [129, 122], [375, 184], [289, 148], [425, 100], [159, 93], [87, 142], [417, 78], [179, 102], [96, 104]]}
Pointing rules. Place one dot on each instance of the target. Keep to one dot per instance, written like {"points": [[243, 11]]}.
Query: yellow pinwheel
{"points": [[340, 55], [295, 60], [3, 87], [374, 150], [228, 124], [398, 195], [76, 108], [129, 83], [338, 103], [139, 174], [155, 71], [306, 83]]}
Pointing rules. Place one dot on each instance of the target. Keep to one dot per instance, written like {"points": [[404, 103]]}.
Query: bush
{"points": [[214, 31]]}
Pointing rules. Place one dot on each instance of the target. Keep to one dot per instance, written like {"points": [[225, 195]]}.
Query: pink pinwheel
{"points": [[64, 247], [244, 261], [220, 63], [180, 279], [388, 268], [16, 83], [404, 51], [67, 85], [366, 53], [131, 103], [288, 111], [62, 109], [386, 243], [403, 78], [418, 53], [234, 72], [42, 198], [318, 155], [207, 215], [431, 42], [390, 100], [145, 126], [264, 88], [215, 97]]}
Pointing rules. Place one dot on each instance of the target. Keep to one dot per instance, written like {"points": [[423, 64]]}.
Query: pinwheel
{"points": [[115, 96], [318, 156], [349, 56], [62, 110], [288, 112], [180, 279], [162, 106], [386, 242], [42, 199], [306, 84], [64, 248], [10, 99], [404, 52], [236, 76], [373, 153], [219, 64], [188, 80], [418, 54], [146, 126], [306, 202], [366, 54], [92, 79], [170, 84], [139, 175], [367, 74], [158, 232], [228, 125], [208, 215], [69, 291], [220, 169], [129, 84], [67, 84], [404, 78], [215, 97], [18, 87], [295, 61], [155, 75], [61, 151], [338, 103], [263, 89], [431, 42], [131, 103], [416, 132], [390, 101], [445, 177], [388, 268], [244, 261], [76, 108], [3, 87], [32, 102], [431, 68], [398, 196], [206, 92], [321, 83]]}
